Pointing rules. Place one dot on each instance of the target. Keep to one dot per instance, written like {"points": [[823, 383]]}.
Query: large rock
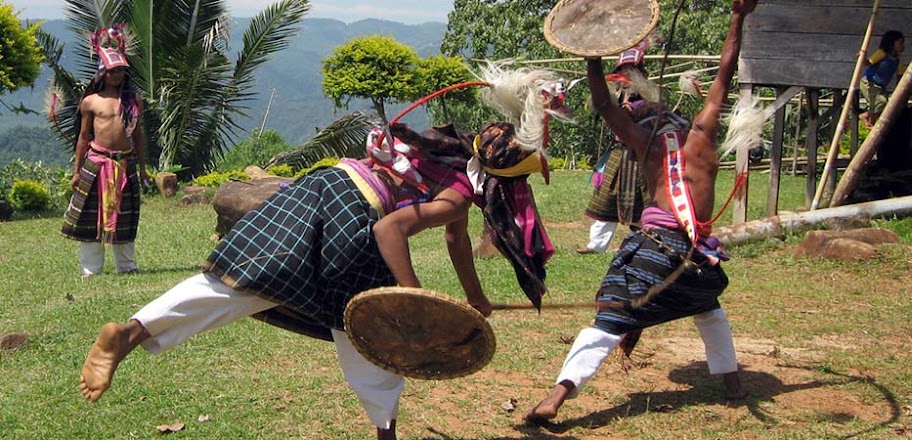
{"points": [[255, 173], [166, 183], [235, 198], [853, 244]]}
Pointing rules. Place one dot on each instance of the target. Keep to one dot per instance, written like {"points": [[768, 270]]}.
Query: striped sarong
{"points": [[82, 221], [642, 262], [309, 248], [622, 194]]}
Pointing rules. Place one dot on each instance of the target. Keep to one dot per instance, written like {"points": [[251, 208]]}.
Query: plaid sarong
{"points": [[309, 248], [639, 264], [622, 195], [81, 220]]}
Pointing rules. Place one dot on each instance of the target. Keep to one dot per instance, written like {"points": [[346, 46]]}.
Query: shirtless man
{"points": [[670, 268], [106, 186]]}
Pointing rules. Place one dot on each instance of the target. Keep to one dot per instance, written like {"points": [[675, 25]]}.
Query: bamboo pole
{"points": [[576, 59], [897, 101], [840, 127]]}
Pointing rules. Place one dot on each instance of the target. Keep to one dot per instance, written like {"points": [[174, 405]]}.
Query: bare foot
{"points": [[111, 346], [542, 413]]}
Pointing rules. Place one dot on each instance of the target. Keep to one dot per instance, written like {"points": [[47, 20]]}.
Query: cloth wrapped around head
{"points": [[508, 205]]}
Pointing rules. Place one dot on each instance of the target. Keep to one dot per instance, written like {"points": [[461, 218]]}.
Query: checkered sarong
{"points": [[639, 264], [80, 222], [309, 248], [622, 195]]}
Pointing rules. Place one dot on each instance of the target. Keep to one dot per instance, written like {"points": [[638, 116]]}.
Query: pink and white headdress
{"points": [[111, 47]]}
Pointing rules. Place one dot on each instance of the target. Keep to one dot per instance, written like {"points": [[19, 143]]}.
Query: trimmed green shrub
{"points": [[283, 170], [55, 179], [215, 178], [29, 195], [322, 163]]}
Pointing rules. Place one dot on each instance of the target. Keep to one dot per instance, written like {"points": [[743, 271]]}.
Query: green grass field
{"points": [[824, 345]]}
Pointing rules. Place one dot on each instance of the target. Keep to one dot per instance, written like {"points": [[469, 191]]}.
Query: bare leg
{"points": [[547, 408], [113, 344], [733, 389], [387, 434]]}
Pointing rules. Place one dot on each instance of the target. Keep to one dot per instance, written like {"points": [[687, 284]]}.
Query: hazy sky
{"points": [[403, 11]]}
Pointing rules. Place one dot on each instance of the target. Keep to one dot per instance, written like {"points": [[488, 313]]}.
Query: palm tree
{"points": [[179, 60], [343, 138]]}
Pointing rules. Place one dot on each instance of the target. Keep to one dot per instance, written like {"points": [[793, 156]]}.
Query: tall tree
{"points": [[180, 61], [439, 72], [20, 55], [377, 68]]}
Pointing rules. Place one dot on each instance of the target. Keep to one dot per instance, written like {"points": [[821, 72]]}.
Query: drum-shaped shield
{"points": [[600, 28], [419, 333]]}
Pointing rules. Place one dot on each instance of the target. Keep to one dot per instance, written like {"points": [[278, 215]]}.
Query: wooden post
{"points": [[742, 162], [813, 97], [897, 101], [772, 197], [797, 133], [829, 167]]}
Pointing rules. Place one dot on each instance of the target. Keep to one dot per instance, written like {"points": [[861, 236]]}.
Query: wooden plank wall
{"points": [[814, 43]]}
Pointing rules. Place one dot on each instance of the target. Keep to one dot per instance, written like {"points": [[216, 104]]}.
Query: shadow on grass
{"points": [[529, 432], [56, 213], [161, 270], [762, 387]]}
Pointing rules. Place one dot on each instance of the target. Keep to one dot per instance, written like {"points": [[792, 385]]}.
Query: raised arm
{"points": [[629, 133], [708, 118]]}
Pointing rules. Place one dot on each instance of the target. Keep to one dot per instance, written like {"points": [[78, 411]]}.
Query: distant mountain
{"points": [[299, 107]]}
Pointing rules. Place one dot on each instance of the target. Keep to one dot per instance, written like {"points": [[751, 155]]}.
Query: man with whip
{"points": [[670, 268]]}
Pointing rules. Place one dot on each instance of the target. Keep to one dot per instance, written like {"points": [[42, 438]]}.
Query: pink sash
{"points": [[112, 179]]}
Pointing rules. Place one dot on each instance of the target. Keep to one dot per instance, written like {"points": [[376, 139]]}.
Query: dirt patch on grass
{"points": [[666, 382]]}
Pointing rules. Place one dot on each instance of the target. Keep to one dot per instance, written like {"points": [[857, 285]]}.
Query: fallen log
{"points": [[798, 222]]}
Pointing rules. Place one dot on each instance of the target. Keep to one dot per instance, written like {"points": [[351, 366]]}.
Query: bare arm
{"points": [[707, 120], [624, 128], [448, 208], [459, 246], [85, 135], [139, 140]]}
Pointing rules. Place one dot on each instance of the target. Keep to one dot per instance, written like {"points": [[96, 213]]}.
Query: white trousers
{"points": [[600, 234], [203, 302], [91, 257], [593, 345]]}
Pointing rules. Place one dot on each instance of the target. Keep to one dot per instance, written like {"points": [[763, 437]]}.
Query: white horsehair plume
{"points": [[689, 83], [745, 125], [642, 85], [517, 95], [54, 100]]}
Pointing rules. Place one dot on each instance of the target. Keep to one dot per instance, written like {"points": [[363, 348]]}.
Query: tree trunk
{"points": [[798, 222], [898, 100]]}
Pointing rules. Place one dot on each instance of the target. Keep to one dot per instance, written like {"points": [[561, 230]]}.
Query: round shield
{"points": [[599, 28], [419, 333]]}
